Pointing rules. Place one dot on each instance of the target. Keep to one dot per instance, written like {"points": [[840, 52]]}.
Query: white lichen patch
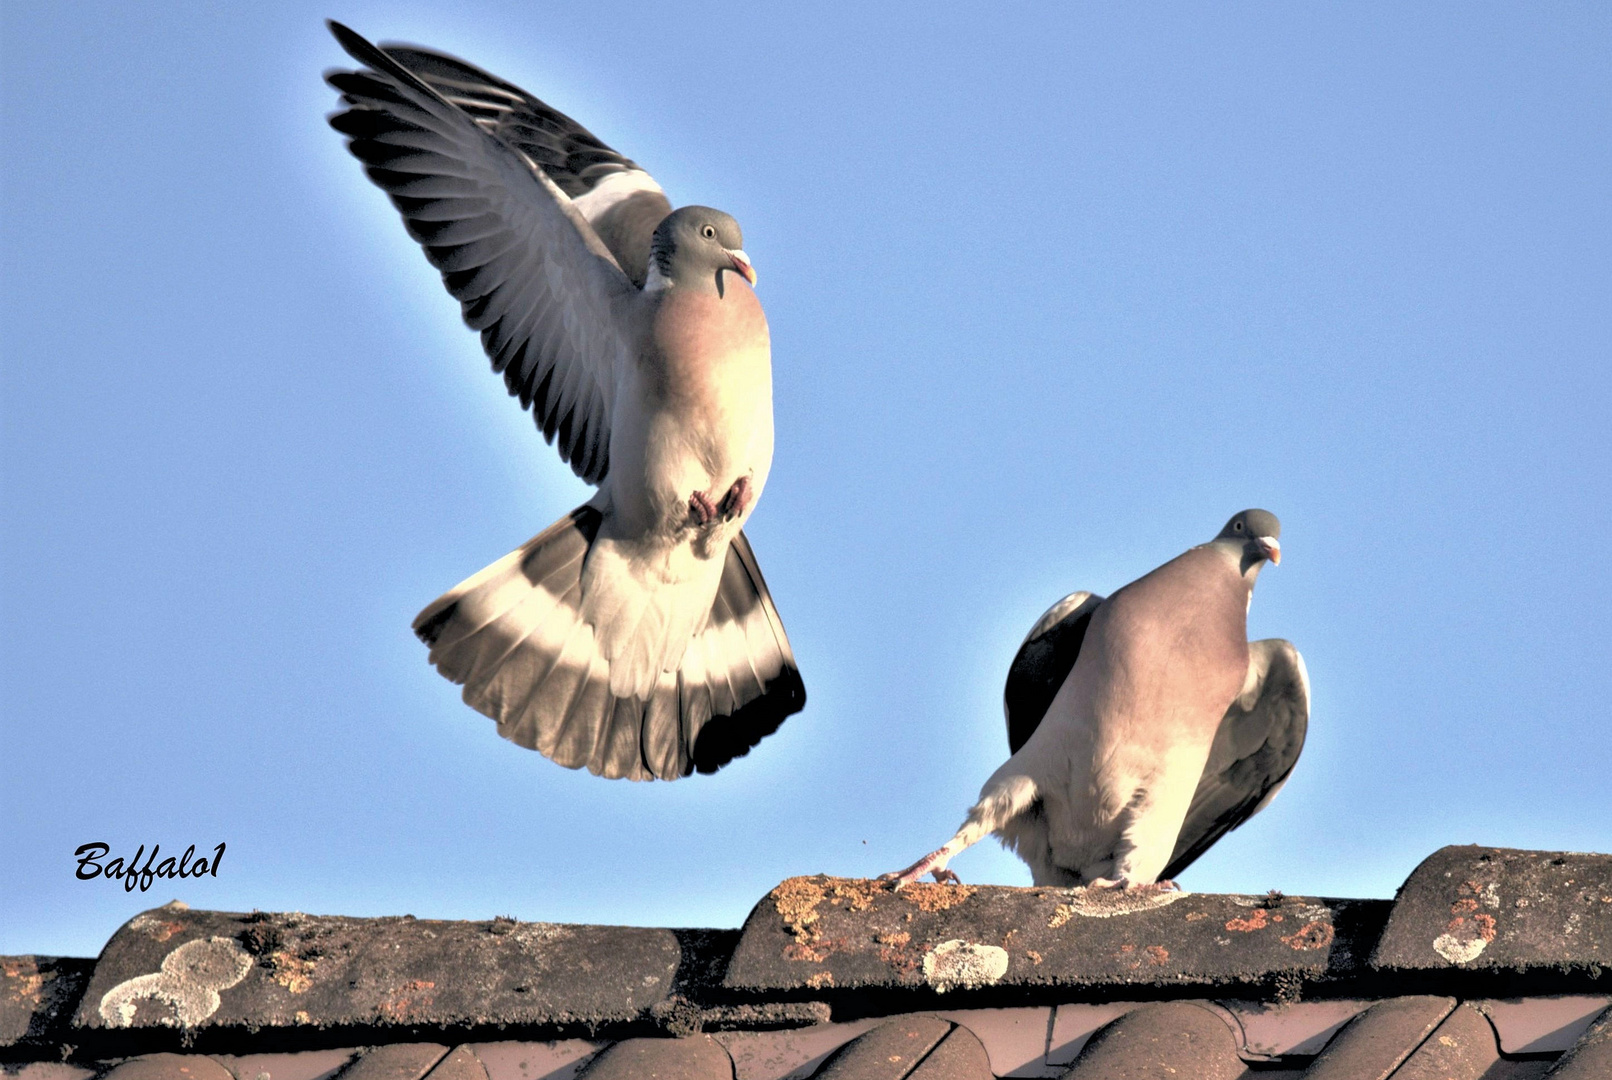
{"points": [[1106, 903], [189, 982], [1457, 950], [957, 963]]}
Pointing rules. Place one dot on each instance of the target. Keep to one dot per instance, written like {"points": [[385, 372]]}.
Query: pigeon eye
{"points": [[1238, 527], [708, 231]]}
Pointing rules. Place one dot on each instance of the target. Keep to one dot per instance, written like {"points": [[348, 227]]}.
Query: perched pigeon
{"points": [[635, 637], [1144, 727]]}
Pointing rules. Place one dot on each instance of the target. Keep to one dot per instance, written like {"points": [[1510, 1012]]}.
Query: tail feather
{"points": [[579, 711], [515, 636]]}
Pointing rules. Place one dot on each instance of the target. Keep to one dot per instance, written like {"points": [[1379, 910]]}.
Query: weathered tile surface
{"points": [[174, 967], [826, 935], [1482, 908], [38, 994]]}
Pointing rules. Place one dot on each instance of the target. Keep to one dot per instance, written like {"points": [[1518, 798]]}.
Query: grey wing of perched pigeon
{"points": [[1255, 749], [1043, 662], [618, 198]]}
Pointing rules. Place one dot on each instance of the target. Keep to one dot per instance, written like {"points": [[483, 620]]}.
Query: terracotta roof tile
{"points": [[960, 1056], [394, 1061], [1167, 1039], [1377, 1042], [1589, 1058], [459, 1064], [890, 1051], [698, 1057], [1462, 1047], [169, 1067]]}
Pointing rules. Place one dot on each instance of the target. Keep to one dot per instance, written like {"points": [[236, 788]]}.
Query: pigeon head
{"points": [[1256, 534], [693, 245]]}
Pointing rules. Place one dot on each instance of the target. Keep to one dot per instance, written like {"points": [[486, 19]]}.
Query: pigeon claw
{"points": [[934, 864], [701, 510], [736, 500]]}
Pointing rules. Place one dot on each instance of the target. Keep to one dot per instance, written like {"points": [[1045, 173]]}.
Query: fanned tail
{"points": [[514, 637]]}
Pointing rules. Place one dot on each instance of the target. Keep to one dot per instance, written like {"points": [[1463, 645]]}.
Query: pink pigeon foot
{"points": [[734, 502], [701, 510], [934, 863]]}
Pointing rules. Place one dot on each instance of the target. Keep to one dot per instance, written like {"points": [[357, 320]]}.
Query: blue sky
{"points": [[1054, 290]]}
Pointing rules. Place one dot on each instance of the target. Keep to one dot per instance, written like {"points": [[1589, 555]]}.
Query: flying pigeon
{"points": [[1143, 727], [635, 636]]}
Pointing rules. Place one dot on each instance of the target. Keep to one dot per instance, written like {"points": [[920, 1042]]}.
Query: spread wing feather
{"points": [[530, 272], [620, 200]]}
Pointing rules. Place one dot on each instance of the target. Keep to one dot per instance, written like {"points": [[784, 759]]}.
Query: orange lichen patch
{"points": [[803, 950], [24, 981], [1312, 935], [858, 893], [1157, 955], [291, 971], [894, 952], [1033, 956], [1128, 952], [407, 999], [1256, 921], [820, 980], [932, 898], [1464, 905], [796, 900]]}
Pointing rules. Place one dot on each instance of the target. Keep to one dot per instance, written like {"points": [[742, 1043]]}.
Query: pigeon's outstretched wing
{"points": [[1043, 662], [530, 272], [620, 200], [1254, 750]]}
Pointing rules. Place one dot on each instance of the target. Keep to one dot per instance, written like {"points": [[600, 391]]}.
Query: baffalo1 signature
{"points": [[132, 873]]}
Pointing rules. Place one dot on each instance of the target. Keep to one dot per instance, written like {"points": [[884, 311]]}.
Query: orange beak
{"points": [[1271, 547], [741, 263]]}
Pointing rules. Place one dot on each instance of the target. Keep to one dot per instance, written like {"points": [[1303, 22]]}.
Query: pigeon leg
{"points": [[737, 498], [1004, 798], [701, 510], [933, 863]]}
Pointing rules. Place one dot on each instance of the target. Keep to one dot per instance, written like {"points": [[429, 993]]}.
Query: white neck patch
{"points": [[612, 190]]}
